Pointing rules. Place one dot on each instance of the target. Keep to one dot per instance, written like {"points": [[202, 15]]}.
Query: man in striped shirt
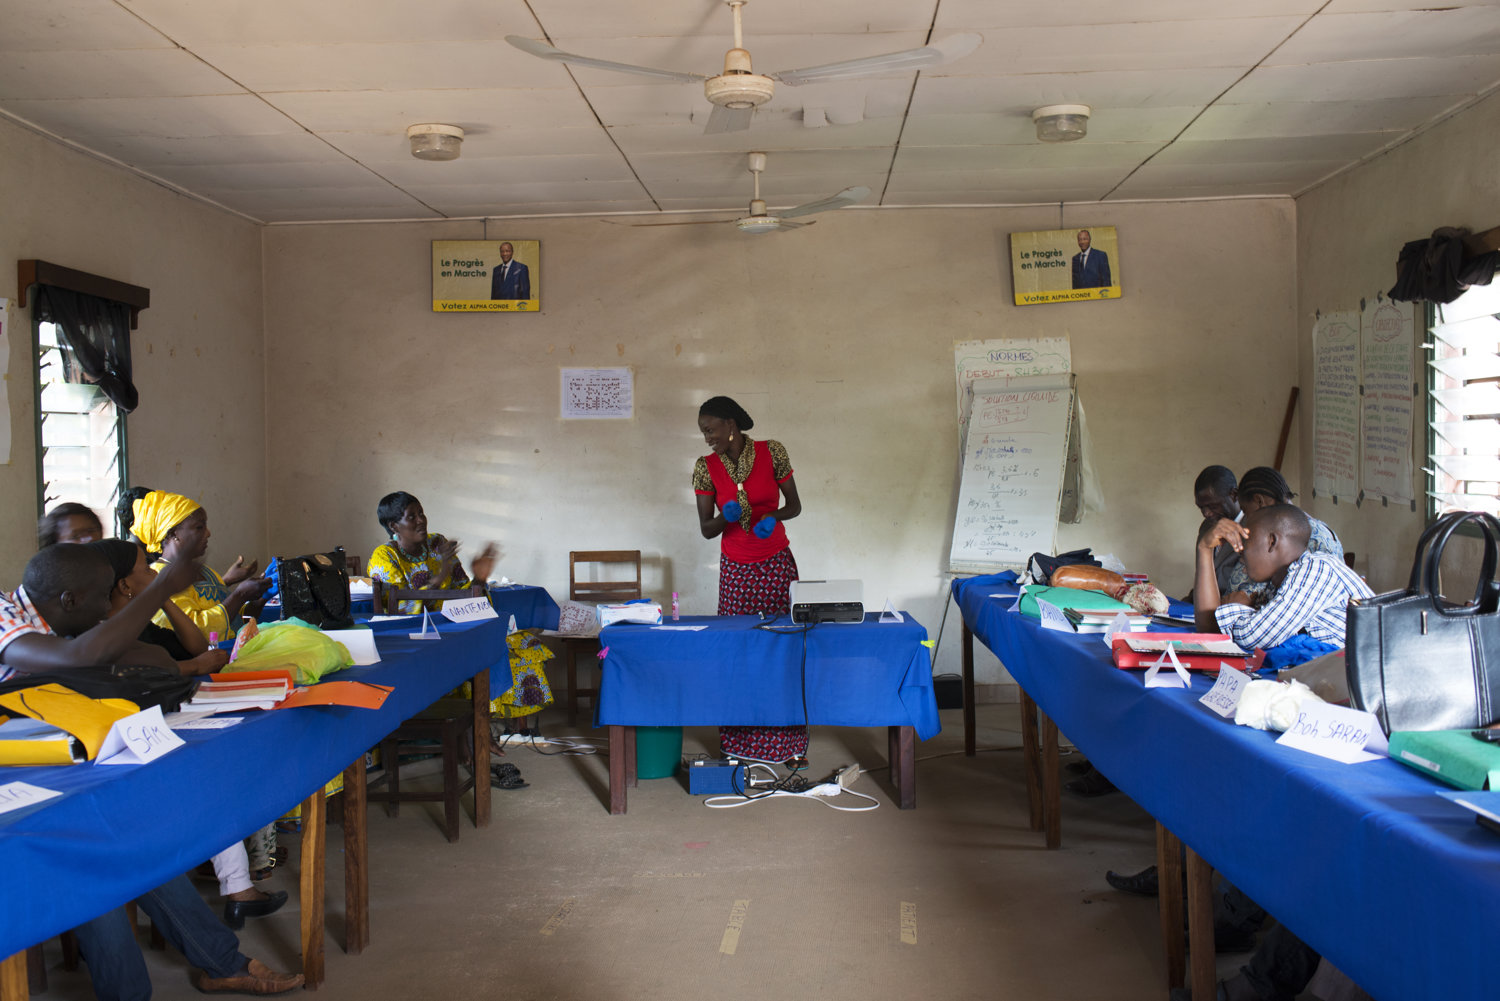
{"points": [[1312, 589]]}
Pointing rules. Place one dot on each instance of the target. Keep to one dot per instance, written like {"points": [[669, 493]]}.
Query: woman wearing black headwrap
{"points": [[745, 491]]}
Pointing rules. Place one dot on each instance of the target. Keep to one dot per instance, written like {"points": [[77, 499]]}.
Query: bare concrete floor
{"points": [[559, 900]]}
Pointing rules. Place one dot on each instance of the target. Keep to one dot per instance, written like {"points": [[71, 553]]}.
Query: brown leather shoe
{"points": [[258, 978]]}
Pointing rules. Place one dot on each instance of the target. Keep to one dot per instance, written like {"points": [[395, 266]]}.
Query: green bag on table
{"points": [[307, 650], [1068, 597], [1450, 755]]}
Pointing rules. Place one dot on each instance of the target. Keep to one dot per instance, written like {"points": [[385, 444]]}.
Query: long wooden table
{"points": [[119, 831]]}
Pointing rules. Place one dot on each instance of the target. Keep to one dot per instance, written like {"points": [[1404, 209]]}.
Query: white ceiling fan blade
{"points": [[783, 224], [544, 51], [848, 196], [723, 119], [938, 53]]}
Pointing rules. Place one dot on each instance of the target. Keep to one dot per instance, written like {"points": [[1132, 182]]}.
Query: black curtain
{"points": [[98, 332]]}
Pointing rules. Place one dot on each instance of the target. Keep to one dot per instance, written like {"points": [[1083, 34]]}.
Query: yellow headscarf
{"points": [[158, 513]]}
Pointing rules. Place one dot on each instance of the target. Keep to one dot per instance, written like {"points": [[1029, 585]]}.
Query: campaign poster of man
{"points": [[486, 276], [1065, 265]]}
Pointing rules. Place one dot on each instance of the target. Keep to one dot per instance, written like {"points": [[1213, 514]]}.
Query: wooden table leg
{"points": [[13, 985], [616, 769], [1200, 907], [481, 689], [1031, 759], [903, 758], [630, 759], [1169, 903], [1051, 782], [356, 858], [968, 669], [314, 833]]}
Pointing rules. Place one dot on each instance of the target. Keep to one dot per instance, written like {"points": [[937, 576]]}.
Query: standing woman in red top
{"points": [[740, 490]]}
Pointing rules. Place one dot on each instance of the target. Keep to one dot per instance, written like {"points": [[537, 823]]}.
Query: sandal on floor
{"points": [[507, 776]]}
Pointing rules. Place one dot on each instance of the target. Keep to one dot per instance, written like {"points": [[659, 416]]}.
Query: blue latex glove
{"points": [[765, 527], [732, 511]]}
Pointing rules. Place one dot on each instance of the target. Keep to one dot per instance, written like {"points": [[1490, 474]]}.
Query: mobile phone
{"points": [[1488, 736]]}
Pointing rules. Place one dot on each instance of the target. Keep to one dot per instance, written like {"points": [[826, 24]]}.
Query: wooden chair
{"points": [[623, 588], [447, 722]]}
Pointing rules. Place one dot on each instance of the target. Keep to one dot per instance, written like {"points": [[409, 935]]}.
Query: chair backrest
{"points": [[626, 585], [388, 599], [355, 564]]}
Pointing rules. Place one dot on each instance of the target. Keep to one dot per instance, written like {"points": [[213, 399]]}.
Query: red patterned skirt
{"points": [[745, 589]]}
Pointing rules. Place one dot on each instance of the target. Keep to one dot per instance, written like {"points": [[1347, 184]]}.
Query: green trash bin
{"points": [[658, 751]]}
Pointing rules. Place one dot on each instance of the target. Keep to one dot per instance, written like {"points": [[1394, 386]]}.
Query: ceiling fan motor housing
{"points": [[738, 87]]}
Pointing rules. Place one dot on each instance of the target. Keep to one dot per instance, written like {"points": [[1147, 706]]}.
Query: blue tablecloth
{"points": [[732, 673], [532, 606], [1397, 886], [120, 830]]}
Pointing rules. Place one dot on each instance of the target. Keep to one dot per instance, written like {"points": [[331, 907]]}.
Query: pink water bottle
{"points": [[674, 606]]}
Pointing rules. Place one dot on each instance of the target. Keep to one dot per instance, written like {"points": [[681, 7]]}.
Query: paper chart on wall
{"points": [[4, 382], [1387, 406], [1336, 405], [998, 360], [597, 394]]}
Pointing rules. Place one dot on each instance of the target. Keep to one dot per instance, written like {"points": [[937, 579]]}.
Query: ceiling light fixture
{"points": [[1061, 123], [435, 142]]}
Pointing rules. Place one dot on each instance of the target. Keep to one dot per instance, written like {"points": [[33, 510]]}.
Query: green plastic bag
{"points": [[308, 651], [1068, 597]]}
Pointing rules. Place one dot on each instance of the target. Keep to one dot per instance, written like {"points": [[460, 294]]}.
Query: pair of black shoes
{"points": [[507, 776], [1090, 782]]}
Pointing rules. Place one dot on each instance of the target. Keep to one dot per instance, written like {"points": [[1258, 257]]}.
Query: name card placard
{"points": [[138, 739], [1336, 732], [1052, 617], [469, 610], [1178, 679], [1224, 697], [17, 795]]}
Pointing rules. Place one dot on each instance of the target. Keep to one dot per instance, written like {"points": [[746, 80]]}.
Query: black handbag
{"points": [[142, 684], [1419, 662], [315, 589]]}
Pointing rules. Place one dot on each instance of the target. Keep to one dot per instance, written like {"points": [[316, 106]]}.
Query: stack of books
{"points": [[224, 693], [31, 742], [1098, 620]]}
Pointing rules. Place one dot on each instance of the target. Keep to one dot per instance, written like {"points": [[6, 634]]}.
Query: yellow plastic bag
{"points": [[308, 652]]}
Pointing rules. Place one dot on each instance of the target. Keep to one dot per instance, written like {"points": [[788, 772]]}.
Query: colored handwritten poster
{"points": [[986, 361], [1386, 360], [597, 394], [1336, 404]]}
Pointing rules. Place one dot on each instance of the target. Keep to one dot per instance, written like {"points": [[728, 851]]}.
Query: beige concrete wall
{"points": [[838, 339], [1349, 231], [198, 352]]}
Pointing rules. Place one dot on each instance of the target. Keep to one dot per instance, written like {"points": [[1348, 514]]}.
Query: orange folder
{"points": [[359, 694]]}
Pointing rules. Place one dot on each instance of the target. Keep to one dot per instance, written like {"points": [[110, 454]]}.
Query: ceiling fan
{"points": [[761, 221], [738, 91]]}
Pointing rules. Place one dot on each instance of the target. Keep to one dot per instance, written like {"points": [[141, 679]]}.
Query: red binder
{"points": [[1200, 660]]}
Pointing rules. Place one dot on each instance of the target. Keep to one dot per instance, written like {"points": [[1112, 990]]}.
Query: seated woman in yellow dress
{"points": [[414, 559], [173, 527]]}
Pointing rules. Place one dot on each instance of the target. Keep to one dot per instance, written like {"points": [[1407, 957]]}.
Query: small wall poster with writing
{"points": [[1386, 335], [1065, 265], [597, 394], [1336, 405], [486, 276]]}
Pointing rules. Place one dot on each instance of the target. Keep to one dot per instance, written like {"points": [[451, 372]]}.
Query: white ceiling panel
{"points": [[393, 111], [72, 74], [1142, 45], [1371, 79], [488, 64], [291, 111], [970, 14], [1452, 31], [1175, 88], [193, 23], [1017, 129], [1238, 121], [1343, 148], [83, 120]]}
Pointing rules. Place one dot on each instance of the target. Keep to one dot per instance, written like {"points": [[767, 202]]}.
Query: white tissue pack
{"points": [[644, 612]]}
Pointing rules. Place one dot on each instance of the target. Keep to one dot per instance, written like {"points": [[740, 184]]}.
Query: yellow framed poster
{"points": [[1065, 265], [486, 276]]}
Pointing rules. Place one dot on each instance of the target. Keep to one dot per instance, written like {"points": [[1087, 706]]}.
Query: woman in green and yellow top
{"points": [[415, 559], [173, 527]]}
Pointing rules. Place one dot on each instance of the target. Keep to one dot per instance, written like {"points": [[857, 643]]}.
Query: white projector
{"points": [[827, 601]]}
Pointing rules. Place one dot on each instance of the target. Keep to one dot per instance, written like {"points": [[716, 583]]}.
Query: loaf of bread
{"points": [[1087, 578]]}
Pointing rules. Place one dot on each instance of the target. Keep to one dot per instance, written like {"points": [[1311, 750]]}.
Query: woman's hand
{"points": [[765, 528], [732, 511], [480, 567], [205, 663], [239, 571]]}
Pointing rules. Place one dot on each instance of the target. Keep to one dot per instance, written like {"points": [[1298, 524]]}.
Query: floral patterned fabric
{"points": [[398, 569]]}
